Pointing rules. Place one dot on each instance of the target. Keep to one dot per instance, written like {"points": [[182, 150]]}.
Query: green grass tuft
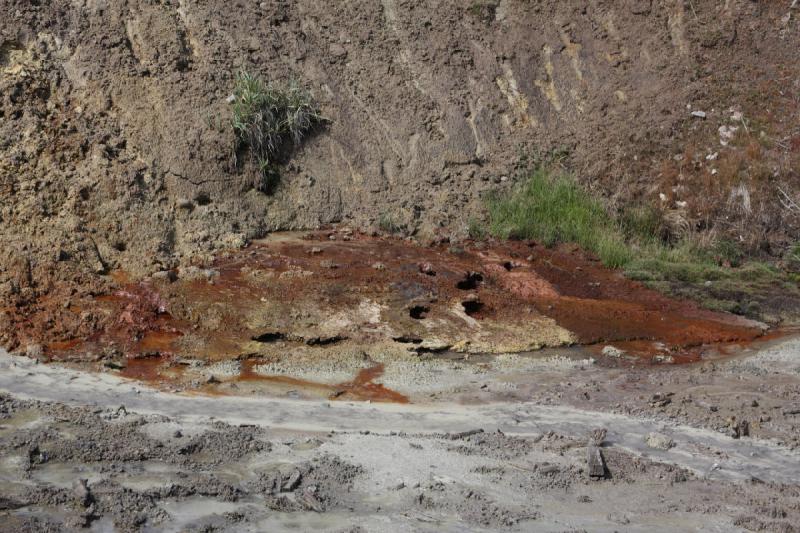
{"points": [[794, 253], [268, 119], [555, 210], [387, 224]]}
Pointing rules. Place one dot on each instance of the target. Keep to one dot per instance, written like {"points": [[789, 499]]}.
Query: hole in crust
{"points": [[472, 307], [470, 281], [405, 339], [419, 312], [324, 341], [270, 337], [202, 198]]}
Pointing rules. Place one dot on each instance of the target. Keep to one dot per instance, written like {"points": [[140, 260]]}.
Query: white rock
{"points": [[659, 441], [726, 133], [611, 351]]}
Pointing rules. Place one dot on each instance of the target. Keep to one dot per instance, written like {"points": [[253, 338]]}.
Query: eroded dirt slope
{"points": [[115, 148]]}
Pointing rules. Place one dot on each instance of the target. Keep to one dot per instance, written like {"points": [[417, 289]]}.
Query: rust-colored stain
{"points": [[159, 341], [148, 369], [309, 295], [362, 387], [64, 346]]}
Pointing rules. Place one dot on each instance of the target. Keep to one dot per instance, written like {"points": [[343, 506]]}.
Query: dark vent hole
{"points": [[270, 337], [419, 312], [472, 307], [470, 281]]}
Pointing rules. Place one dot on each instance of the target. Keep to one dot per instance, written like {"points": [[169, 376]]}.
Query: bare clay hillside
{"points": [[116, 149]]}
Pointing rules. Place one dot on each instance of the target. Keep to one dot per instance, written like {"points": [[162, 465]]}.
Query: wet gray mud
{"points": [[97, 452]]}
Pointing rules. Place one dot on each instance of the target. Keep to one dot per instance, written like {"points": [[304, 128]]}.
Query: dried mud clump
{"points": [[318, 485]]}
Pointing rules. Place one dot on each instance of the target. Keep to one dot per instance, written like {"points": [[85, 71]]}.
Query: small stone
{"points": [[337, 51], [659, 441], [165, 275], [427, 268], [611, 351], [660, 400], [378, 266], [185, 203]]}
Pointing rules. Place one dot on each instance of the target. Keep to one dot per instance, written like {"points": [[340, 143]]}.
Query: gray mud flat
{"points": [[94, 451]]}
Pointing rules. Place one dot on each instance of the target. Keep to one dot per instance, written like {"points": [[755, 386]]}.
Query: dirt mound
{"points": [[116, 149]]}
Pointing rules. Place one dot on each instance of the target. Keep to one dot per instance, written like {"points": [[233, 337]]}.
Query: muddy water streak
{"points": [[148, 369], [362, 387]]}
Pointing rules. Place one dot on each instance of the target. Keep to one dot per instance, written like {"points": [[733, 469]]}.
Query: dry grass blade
{"points": [[788, 202]]}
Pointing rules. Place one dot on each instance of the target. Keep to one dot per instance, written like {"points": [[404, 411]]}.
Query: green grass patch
{"points": [[556, 210], [553, 209], [388, 224], [269, 120], [794, 253], [484, 10]]}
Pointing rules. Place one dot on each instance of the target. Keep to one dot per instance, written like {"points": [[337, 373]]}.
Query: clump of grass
{"points": [[388, 224], [685, 262], [794, 253], [553, 209], [647, 245], [556, 210], [642, 223], [269, 119], [476, 229], [484, 10]]}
